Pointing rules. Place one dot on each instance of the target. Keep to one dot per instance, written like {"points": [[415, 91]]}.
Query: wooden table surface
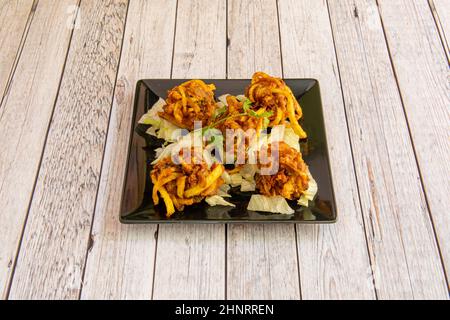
{"points": [[68, 71]]}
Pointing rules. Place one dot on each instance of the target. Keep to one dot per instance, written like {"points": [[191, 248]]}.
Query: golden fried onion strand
{"points": [[210, 179], [185, 183], [190, 101], [273, 94], [291, 179]]}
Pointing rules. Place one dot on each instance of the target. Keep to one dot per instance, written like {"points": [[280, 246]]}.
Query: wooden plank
{"points": [[262, 259], [120, 263], [441, 13], [262, 262], [255, 23], [400, 236], [334, 261], [417, 54], [24, 119], [14, 17], [55, 240], [190, 260], [200, 44]]}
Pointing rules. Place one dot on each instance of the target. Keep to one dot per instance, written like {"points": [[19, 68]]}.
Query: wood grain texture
{"points": [[55, 240], [253, 38], [262, 262], [261, 259], [423, 76], [393, 155], [441, 13], [334, 262], [14, 15], [24, 119], [400, 235], [190, 259], [120, 263], [200, 43], [190, 262]]}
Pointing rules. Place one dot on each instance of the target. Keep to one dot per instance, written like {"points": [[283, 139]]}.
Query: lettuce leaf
{"points": [[241, 97], [173, 148], [310, 193], [163, 129], [291, 138], [226, 177], [217, 200], [247, 186], [223, 191], [276, 204], [223, 99], [236, 179], [160, 128], [248, 171], [151, 117], [163, 152]]}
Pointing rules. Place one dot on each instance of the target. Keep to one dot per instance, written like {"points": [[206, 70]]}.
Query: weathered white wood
{"points": [[14, 15], [55, 241], [24, 119], [334, 262], [254, 38], [200, 44], [120, 264], [262, 262], [441, 13], [423, 76], [401, 240], [262, 259], [190, 262], [190, 259]]}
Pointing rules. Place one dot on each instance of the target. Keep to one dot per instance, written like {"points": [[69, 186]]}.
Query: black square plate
{"points": [[137, 205]]}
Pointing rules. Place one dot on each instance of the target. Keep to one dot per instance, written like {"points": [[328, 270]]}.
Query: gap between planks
{"points": [[435, 213], [190, 258], [59, 274], [333, 259], [441, 14], [91, 238], [5, 89], [171, 76], [18, 232], [121, 262], [425, 281]]}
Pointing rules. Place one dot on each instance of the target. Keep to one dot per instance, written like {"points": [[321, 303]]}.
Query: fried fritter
{"points": [[236, 119], [244, 128], [190, 101], [291, 179], [272, 94], [185, 183]]}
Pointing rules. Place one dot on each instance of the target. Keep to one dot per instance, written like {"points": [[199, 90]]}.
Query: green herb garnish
{"points": [[247, 107]]}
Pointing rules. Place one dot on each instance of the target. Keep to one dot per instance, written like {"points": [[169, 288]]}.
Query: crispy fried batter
{"points": [[190, 101], [290, 181], [190, 181], [235, 120], [186, 183], [272, 94]]}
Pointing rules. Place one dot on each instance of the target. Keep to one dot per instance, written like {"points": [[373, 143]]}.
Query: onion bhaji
{"points": [[190, 101], [191, 179], [291, 180], [235, 119], [185, 183], [272, 94]]}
